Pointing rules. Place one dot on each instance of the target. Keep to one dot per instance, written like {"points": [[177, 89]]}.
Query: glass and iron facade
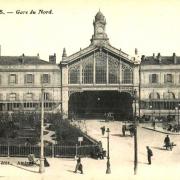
{"points": [[100, 67]]}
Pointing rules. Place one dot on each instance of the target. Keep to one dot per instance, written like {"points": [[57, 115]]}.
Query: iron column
{"points": [[108, 170], [135, 136], [41, 167]]}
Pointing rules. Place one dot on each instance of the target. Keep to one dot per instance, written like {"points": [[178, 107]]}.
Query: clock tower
{"points": [[99, 37]]}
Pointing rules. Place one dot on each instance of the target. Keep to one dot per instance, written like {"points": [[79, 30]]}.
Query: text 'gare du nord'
{"points": [[95, 80]]}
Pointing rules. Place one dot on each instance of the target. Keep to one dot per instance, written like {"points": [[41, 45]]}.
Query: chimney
{"points": [[136, 51], [38, 55], [159, 58], [174, 58], [64, 55], [52, 58], [142, 57], [154, 56], [22, 58]]}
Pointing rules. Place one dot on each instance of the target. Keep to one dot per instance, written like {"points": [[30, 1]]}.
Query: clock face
{"points": [[100, 30]]}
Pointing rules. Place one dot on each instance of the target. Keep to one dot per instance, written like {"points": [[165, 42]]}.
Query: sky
{"points": [[151, 26]]}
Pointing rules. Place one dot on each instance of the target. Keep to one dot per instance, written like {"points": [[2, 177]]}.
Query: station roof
{"points": [[19, 60]]}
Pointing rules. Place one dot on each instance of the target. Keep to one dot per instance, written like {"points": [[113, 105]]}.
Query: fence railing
{"points": [[7, 150]]}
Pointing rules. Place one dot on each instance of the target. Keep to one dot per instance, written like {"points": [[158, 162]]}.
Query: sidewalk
{"points": [[165, 164], [160, 130]]}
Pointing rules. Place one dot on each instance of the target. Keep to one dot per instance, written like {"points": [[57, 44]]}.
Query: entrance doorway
{"points": [[94, 104]]}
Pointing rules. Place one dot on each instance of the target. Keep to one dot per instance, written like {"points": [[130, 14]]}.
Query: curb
{"points": [[170, 133]]}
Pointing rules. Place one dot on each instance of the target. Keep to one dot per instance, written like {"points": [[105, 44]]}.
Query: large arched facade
{"points": [[98, 69]]}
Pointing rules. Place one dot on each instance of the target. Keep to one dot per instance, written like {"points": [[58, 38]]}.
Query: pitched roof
{"points": [[18, 60], [164, 60], [91, 48]]}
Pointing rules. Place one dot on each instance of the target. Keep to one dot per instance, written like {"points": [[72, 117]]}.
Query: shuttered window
{"points": [[153, 78], [168, 78], [13, 79], [29, 79], [45, 78]]}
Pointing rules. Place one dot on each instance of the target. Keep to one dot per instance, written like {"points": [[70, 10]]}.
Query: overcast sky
{"points": [[152, 26]]}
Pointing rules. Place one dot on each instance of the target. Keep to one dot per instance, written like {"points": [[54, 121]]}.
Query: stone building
{"points": [[160, 82], [21, 81], [99, 78], [93, 81]]}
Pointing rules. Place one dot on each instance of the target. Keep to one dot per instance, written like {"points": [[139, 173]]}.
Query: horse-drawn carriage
{"points": [[128, 127]]}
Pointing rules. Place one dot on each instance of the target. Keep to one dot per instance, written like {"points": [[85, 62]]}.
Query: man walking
{"points": [[167, 142], [149, 154], [103, 130], [79, 166]]}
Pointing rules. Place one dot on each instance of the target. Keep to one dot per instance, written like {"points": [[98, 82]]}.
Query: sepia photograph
{"points": [[89, 89]]}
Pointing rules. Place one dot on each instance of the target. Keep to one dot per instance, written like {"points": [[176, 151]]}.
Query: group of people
{"points": [[167, 144]]}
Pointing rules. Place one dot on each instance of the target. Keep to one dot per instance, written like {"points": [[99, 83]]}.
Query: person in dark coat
{"points": [[103, 130], [167, 142], [79, 166], [149, 154], [124, 130], [46, 163]]}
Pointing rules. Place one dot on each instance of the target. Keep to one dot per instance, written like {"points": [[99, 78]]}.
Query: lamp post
{"points": [[135, 135], [153, 120], [41, 167], [152, 112], [108, 170], [178, 116], [177, 109]]}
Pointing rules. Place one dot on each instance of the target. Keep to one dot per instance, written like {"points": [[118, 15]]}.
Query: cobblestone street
{"points": [[165, 164]]}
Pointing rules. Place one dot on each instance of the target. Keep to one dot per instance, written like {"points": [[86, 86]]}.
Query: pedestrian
{"points": [[149, 154], [46, 163], [103, 130], [167, 142], [79, 166], [100, 153], [124, 130], [154, 124]]}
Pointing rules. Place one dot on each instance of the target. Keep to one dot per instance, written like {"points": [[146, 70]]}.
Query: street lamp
{"points": [[177, 109], [41, 167], [153, 120], [135, 135], [108, 170], [152, 112]]}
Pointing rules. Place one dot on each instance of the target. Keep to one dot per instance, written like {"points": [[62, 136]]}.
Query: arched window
{"points": [[101, 67], [127, 75], [113, 70], [168, 95], [154, 95], [29, 97], [12, 96], [74, 74], [87, 70]]}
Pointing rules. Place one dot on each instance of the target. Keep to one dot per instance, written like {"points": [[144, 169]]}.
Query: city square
{"points": [[93, 109], [165, 164]]}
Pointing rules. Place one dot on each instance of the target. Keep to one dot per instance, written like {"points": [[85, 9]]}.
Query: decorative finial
{"points": [[64, 55]]}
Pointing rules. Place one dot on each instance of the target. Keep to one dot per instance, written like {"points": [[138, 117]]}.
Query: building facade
{"points": [[96, 78], [93, 81], [21, 82], [160, 82]]}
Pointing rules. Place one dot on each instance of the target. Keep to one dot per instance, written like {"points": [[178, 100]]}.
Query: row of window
{"points": [[27, 105], [166, 95], [168, 78], [28, 78], [159, 105], [96, 70], [27, 96]]}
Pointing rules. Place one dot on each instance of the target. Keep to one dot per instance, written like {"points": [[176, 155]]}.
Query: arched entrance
{"points": [[94, 104]]}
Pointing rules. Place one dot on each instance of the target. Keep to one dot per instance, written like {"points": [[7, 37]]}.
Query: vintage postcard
{"points": [[89, 89]]}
